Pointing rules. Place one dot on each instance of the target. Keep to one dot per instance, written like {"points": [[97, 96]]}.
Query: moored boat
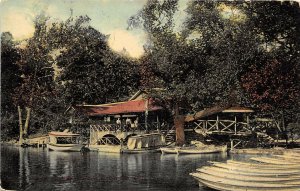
{"points": [[201, 150], [144, 143], [245, 176], [253, 173], [229, 184], [259, 166], [168, 150], [274, 161], [293, 179], [256, 170], [64, 141]]}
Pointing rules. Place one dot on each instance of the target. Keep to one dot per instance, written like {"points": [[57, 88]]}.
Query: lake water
{"points": [[40, 169]]}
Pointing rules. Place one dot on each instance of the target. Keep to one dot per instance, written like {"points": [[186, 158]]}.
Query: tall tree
{"points": [[37, 73], [10, 79], [92, 73], [197, 66], [272, 81]]}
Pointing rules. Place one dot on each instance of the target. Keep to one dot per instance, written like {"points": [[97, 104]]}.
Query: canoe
{"points": [[197, 150], [168, 150], [260, 166], [293, 179], [247, 173], [256, 170], [237, 185], [274, 161]]}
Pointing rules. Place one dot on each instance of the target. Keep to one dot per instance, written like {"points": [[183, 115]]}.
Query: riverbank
{"points": [[34, 141]]}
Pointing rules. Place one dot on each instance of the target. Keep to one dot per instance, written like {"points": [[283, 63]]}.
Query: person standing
{"points": [[118, 124]]}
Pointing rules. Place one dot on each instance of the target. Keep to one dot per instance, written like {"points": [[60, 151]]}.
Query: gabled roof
{"points": [[217, 109], [238, 109], [133, 106]]}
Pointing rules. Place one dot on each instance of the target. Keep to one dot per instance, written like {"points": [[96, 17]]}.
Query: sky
{"points": [[107, 16]]}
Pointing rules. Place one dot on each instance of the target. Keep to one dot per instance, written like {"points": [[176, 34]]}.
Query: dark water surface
{"points": [[40, 169]]}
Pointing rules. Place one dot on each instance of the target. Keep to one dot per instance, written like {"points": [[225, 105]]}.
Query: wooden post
{"points": [[20, 125], [231, 144], [248, 123], [158, 124], [217, 123], [90, 135], [146, 116], [235, 124]]}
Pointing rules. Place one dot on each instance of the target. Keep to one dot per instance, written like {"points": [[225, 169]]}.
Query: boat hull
{"points": [[166, 150], [65, 147], [227, 185], [200, 151], [136, 151], [106, 148]]}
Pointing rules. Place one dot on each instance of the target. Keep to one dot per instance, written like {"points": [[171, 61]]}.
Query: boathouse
{"points": [[112, 123]]}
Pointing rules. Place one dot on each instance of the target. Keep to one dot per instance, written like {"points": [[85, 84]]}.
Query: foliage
{"points": [[271, 79], [36, 66], [272, 85], [10, 72], [10, 79], [92, 73], [198, 66]]}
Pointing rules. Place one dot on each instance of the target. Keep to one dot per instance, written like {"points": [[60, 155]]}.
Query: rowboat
{"points": [[250, 178], [136, 151], [256, 170], [252, 173], [288, 157], [260, 166], [168, 150], [274, 161], [263, 165], [245, 176], [229, 184], [199, 150], [64, 141]]}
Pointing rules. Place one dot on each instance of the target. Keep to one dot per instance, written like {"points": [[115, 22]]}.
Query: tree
{"points": [[92, 73], [10, 79], [199, 65], [271, 80], [37, 73]]}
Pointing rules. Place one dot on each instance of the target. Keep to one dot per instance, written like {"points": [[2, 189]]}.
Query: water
{"points": [[40, 169]]}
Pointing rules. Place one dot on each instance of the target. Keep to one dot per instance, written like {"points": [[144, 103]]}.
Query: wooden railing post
{"points": [[217, 125], [235, 125]]}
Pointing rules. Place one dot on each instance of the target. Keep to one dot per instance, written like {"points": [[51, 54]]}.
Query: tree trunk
{"points": [[179, 126], [28, 110], [285, 129], [20, 125]]}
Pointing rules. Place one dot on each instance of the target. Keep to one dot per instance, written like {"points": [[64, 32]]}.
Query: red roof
{"points": [[134, 106]]}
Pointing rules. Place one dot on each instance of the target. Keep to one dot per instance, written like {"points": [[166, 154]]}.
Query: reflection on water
{"points": [[38, 169]]}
